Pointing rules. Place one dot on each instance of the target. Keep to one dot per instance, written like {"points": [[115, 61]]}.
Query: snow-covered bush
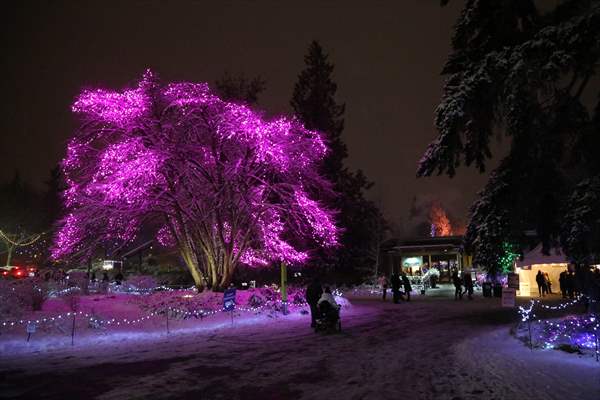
{"points": [[255, 300], [79, 279], [33, 292], [71, 299], [143, 282], [11, 306]]}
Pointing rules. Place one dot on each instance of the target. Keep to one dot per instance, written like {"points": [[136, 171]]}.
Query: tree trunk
{"points": [[192, 264], [227, 275], [10, 248]]}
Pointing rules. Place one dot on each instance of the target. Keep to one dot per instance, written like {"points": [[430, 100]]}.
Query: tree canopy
{"points": [[213, 178]]}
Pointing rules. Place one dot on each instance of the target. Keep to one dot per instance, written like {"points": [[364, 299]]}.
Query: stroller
{"points": [[328, 318]]}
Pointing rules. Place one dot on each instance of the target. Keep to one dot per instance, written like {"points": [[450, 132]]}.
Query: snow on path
{"points": [[428, 349]]}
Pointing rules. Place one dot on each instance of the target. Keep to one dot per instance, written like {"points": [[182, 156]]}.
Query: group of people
{"points": [[567, 284], [544, 283], [466, 281], [396, 282], [317, 295]]}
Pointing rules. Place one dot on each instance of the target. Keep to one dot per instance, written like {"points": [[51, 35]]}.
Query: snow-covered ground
{"points": [[431, 348]]}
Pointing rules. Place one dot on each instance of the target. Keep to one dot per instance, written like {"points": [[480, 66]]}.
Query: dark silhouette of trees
{"points": [[362, 223], [521, 73]]}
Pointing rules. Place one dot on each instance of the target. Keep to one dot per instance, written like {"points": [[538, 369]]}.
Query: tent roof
{"points": [[535, 256]]}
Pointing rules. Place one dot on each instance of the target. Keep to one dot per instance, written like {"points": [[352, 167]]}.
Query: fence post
{"points": [[530, 339], [284, 297], [167, 314], [73, 330], [596, 335]]}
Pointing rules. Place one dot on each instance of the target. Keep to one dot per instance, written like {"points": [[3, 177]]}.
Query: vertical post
{"points": [[73, 330], [596, 335], [529, 328], [284, 297], [167, 314], [9, 252], [29, 336]]}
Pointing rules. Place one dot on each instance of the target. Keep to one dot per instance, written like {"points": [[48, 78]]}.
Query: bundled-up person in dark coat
{"points": [[562, 281], [407, 286], [541, 283], [313, 294], [395, 281], [457, 281], [468, 281]]}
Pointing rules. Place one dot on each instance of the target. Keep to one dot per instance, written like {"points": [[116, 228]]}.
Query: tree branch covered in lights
{"points": [[212, 178]]}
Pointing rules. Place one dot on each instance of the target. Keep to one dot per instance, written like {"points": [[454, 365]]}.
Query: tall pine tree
{"points": [[314, 102], [521, 71]]}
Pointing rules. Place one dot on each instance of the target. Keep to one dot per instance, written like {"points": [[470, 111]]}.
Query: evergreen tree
{"points": [[52, 200], [519, 72], [363, 224], [20, 217]]}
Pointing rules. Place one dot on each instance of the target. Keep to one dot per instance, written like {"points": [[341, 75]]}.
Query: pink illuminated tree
{"points": [[212, 178]]}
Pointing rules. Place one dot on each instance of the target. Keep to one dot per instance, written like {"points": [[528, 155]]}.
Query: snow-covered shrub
{"points": [[31, 292], [11, 306], [79, 279], [298, 298], [143, 282], [71, 299], [255, 300], [269, 293]]}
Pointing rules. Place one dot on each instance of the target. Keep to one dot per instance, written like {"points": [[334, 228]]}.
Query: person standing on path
{"points": [[313, 294], [539, 279], [407, 287], [562, 282], [548, 283], [395, 280], [457, 285], [468, 280], [383, 282]]}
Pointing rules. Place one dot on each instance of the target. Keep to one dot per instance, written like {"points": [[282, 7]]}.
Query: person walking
{"points": [[383, 282], [539, 279], [104, 283], [407, 286], [313, 294], [457, 285], [395, 281], [562, 282]]}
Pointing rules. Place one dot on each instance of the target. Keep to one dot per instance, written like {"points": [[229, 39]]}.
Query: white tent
{"points": [[534, 261]]}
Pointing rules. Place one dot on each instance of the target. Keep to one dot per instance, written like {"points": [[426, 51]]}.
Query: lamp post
{"points": [[284, 297]]}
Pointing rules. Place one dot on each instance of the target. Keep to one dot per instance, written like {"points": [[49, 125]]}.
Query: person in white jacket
{"points": [[328, 297]]}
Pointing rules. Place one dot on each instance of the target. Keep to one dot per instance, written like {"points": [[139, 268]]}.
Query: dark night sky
{"points": [[387, 56]]}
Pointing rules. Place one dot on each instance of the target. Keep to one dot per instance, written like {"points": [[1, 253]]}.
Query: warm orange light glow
{"points": [[440, 224]]}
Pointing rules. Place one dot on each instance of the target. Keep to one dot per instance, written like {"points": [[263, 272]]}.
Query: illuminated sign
{"points": [[412, 262]]}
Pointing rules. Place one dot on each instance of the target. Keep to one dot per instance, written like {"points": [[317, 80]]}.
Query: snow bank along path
{"points": [[428, 349]]}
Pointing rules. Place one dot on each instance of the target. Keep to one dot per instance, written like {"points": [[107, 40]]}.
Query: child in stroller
{"points": [[328, 316]]}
